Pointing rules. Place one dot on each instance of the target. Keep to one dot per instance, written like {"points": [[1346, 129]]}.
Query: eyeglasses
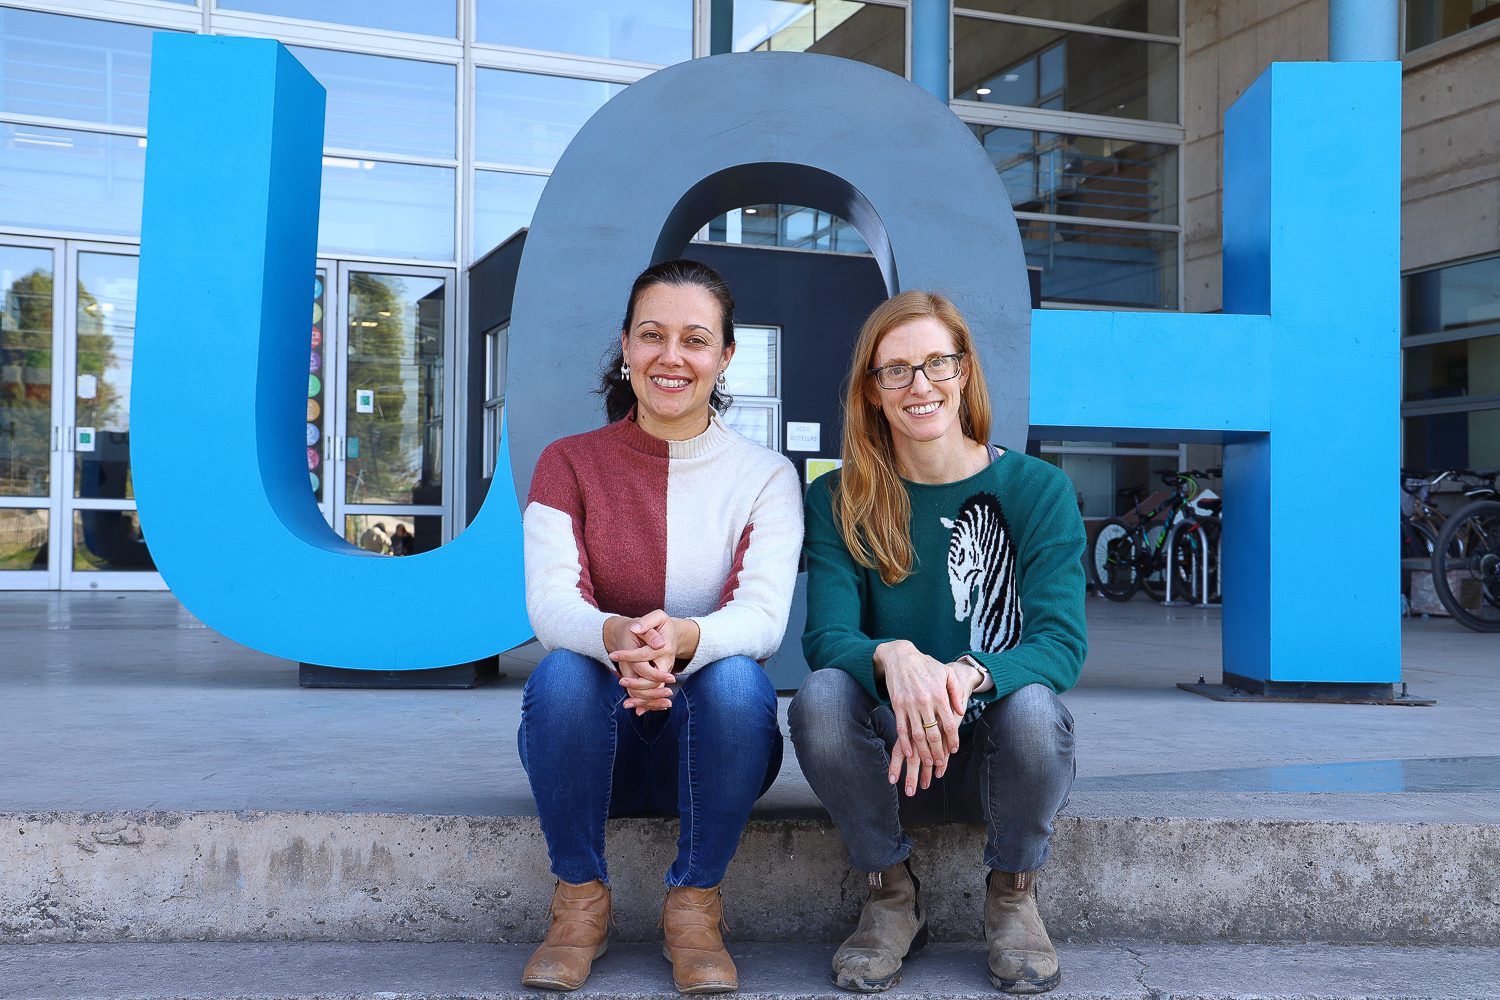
{"points": [[938, 369]]}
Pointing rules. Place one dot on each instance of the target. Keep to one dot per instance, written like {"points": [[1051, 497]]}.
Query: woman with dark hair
{"points": [[944, 617], [661, 550]]}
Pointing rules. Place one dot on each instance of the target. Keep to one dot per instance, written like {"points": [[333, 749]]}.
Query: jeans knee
{"points": [[1029, 721], [826, 699], [732, 692], [564, 680]]}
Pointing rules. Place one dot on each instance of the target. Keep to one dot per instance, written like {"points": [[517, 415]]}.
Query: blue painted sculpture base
{"points": [[1248, 689], [458, 677]]}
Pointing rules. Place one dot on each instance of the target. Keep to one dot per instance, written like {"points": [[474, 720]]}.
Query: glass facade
{"points": [[1450, 393], [1429, 21]]}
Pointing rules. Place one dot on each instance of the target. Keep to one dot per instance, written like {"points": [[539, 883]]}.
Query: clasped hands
{"points": [[923, 691], [645, 650]]}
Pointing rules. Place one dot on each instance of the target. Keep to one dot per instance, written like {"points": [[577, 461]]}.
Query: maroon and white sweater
{"points": [[621, 523]]}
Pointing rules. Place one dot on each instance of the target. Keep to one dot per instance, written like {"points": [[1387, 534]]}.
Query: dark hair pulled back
{"points": [[619, 396]]}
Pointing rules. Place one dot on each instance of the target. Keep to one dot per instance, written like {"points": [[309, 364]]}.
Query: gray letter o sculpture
{"points": [[700, 138]]}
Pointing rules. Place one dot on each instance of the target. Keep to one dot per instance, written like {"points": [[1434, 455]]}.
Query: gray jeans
{"points": [[1012, 772]]}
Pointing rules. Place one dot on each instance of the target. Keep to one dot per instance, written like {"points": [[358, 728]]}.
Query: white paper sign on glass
{"points": [[804, 436]]}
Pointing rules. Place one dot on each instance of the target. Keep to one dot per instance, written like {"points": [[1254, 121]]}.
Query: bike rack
{"points": [[1203, 568]]}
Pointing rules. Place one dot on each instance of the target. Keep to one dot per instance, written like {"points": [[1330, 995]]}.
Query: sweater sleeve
{"points": [[757, 599], [835, 594], [559, 590], [1054, 640]]}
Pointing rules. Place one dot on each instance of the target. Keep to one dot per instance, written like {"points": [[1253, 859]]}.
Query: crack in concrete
{"points": [[1148, 992]]}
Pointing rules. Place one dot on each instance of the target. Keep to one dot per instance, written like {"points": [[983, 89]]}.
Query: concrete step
{"points": [[301, 876], [781, 971]]}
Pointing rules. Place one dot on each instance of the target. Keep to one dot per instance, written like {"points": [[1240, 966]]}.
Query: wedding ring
{"points": [[930, 725]]}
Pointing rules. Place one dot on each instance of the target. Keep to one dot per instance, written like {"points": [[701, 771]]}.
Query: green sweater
{"points": [[998, 576]]}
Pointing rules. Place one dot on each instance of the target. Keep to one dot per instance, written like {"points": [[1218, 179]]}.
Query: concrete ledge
{"points": [[1130, 971], [290, 876]]}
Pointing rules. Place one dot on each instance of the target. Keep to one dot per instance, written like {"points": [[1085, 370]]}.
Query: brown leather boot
{"points": [[1022, 959], [892, 928], [690, 922], [579, 933]]}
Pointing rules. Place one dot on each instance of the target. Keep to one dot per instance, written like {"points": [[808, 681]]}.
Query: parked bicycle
{"points": [[1466, 558], [1133, 553]]}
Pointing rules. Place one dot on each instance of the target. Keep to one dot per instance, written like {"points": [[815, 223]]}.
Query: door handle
{"points": [[56, 437], [341, 447]]}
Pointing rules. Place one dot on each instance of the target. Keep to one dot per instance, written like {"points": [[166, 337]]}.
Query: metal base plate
{"points": [[457, 677], [1334, 696]]}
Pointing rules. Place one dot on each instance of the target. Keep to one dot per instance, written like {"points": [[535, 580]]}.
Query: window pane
{"points": [[73, 67], [1453, 298], [865, 32], [81, 181], [527, 120], [1123, 267], [753, 372], [317, 377], [1000, 63], [648, 31], [1156, 17], [503, 203], [1464, 440], [1453, 370], [23, 539], [1084, 175], [109, 540], [394, 449], [1428, 21], [394, 534], [386, 105], [26, 366], [106, 343], [388, 209], [787, 226], [756, 421], [430, 17]]}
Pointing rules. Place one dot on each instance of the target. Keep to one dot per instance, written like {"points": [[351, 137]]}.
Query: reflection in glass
{"points": [[73, 67], [1452, 369], [394, 534], [756, 421], [1467, 439], [106, 343], [1083, 175], [1107, 266], [787, 226], [316, 383], [866, 32], [23, 539], [109, 540], [1153, 17], [54, 178], [648, 31], [386, 209], [753, 372], [1002, 63], [25, 371], [503, 203], [1428, 21], [527, 120], [394, 450], [1460, 297], [386, 105], [430, 17]]}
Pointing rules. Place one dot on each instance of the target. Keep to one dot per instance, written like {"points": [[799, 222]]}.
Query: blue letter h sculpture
{"points": [[1298, 378]]}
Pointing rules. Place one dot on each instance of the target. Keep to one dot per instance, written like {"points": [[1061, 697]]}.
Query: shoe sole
{"points": [[1024, 986], [881, 985], [539, 983], [719, 987]]}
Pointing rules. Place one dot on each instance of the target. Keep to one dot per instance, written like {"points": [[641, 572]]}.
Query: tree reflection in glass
{"points": [[25, 371]]}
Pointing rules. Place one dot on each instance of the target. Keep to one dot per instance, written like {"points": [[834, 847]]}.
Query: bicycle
{"points": [[1127, 556], [1468, 548]]}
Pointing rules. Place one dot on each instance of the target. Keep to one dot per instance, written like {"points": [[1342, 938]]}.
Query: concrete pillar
{"points": [[931, 25], [1363, 30]]}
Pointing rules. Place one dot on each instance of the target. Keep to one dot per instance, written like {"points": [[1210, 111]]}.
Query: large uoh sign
{"points": [[1302, 366]]}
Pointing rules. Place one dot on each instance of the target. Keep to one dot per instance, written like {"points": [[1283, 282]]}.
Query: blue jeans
{"points": [[705, 760], [1013, 771]]}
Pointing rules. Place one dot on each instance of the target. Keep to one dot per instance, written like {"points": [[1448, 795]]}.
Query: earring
{"points": [[720, 380], [624, 369]]}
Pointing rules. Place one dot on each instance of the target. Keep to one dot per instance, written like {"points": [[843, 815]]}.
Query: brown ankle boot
{"points": [[690, 922], [1022, 959], [892, 928], [579, 934]]}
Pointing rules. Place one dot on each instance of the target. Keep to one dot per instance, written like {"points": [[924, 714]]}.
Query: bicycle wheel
{"points": [[1152, 571], [1113, 560], [1187, 565], [1468, 551], [1417, 540]]}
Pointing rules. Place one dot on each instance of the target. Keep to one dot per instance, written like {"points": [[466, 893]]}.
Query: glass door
{"points": [[102, 544], [387, 453], [31, 310]]}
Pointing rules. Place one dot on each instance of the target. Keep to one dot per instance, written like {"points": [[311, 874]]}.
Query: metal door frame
{"points": [[49, 578]]}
